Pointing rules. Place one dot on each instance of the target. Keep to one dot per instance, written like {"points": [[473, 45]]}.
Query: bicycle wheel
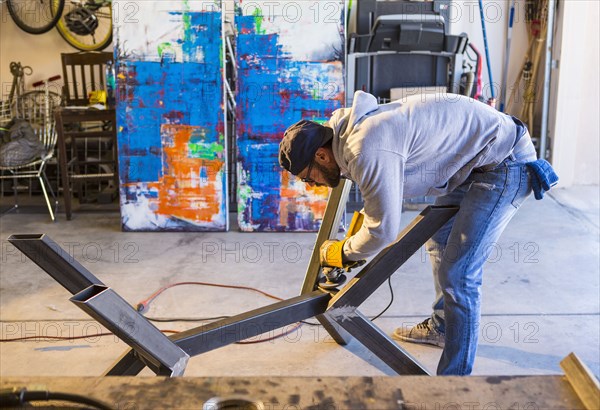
{"points": [[35, 16], [86, 24]]}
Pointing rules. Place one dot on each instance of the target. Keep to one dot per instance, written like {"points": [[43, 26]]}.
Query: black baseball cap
{"points": [[300, 143]]}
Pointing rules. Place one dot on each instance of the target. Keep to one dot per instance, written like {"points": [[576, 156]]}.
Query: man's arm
{"points": [[380, 177]]}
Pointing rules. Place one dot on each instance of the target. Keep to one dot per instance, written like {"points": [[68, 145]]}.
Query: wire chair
{"points": [[37, 108], [5, 112]]}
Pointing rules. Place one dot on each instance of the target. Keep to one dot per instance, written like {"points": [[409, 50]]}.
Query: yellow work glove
{"points": [[331, 253]]}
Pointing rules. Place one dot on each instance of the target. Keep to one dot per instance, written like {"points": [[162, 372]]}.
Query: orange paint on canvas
{"points": [[190, 187], [300, 198]]}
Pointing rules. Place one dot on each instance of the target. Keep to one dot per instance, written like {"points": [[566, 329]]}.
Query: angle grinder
{"points": [[332, 278]]}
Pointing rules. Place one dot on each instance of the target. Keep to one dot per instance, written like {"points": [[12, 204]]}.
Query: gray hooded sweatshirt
{"points": [[421, 145]]}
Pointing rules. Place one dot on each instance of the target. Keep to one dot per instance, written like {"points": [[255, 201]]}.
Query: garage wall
{"points": [[574, 121], [43, 52], [575, 117], [465, 17], [40, 52], [575, 131]]}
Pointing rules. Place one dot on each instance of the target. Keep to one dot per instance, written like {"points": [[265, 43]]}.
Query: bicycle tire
{"points": [[55, 12], [83, 43]]}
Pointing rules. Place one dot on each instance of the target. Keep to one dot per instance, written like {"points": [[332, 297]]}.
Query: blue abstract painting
{"points": [[290, 66], [170, 116]]}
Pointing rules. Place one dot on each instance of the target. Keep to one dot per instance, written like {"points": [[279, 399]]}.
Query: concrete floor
{"points": [[540, 297]]}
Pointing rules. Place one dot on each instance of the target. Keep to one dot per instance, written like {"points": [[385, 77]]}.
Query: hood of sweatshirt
{"points": [[344, 121]]}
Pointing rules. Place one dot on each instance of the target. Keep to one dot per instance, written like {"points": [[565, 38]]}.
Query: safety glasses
{"points": [[307, 179]]}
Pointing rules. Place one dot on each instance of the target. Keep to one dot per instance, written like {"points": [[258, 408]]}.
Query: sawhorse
{"points": [[336, 311]]}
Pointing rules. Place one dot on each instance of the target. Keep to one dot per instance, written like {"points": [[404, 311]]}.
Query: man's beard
{"points": [[331, 175]]}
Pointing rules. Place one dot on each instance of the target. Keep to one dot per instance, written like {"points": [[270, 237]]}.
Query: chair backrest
{"points": [[37, 108], [83, 72], [5, 112]]}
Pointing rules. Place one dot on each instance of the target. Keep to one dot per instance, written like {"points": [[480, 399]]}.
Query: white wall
{"points": [[465, 17], [574, 131], [40, 52], [575, 119]]}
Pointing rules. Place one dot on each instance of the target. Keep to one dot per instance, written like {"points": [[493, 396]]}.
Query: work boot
{"points": [[424, 333]]}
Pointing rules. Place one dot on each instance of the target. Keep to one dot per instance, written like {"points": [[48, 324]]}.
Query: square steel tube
{"points": [[336, 205], [57, 262], [221, 333], [253, 323], [382, 266], [111, 310], [380, 344]]}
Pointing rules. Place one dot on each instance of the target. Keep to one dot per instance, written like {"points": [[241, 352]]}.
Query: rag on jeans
{"points": [[543, 179], [488, 199]]}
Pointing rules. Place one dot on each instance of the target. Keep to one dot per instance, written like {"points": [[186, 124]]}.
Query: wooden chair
{"points": [[86, 137], [82, 73]]}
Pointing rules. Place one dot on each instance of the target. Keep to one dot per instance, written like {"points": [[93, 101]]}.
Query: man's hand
{"points": [[331, 254]]}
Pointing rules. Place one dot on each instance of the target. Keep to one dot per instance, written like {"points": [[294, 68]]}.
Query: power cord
{"points": [[377, 316], [389, 304], [11, 398], [144, 304]]}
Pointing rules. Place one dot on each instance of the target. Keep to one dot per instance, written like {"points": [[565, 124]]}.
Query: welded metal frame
{"points": [[337, 311], [343, 311], [336, 207], [153, 348], [159, 353]]}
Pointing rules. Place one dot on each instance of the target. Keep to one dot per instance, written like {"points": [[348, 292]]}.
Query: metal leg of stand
{"points": [[336, 206], [57, 262], [378, 342], [103, 304], [337, 333], [111, 310], [335, 312], [342, 309], [389, 260], [243, 326], [128, 364]]}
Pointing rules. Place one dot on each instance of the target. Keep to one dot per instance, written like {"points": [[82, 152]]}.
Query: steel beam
{"points": [[253, 323], [57, 262], [382, 266], [246, 325], [343, 307], [374, 339], [128, 364], [337, 333], [336, 206], [336, 313], [112, 311]]}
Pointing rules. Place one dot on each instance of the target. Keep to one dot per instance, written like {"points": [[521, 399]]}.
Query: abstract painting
{"points": [[290, 66], [170, 115]]}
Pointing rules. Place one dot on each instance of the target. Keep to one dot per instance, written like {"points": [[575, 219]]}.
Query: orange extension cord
{"points": [[143, 305]]}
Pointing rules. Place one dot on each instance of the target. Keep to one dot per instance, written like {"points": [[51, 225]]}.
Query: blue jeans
{"points": [[488, 200]]}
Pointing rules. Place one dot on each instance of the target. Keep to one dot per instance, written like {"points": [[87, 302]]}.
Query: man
{"points": [[461, 151]]}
